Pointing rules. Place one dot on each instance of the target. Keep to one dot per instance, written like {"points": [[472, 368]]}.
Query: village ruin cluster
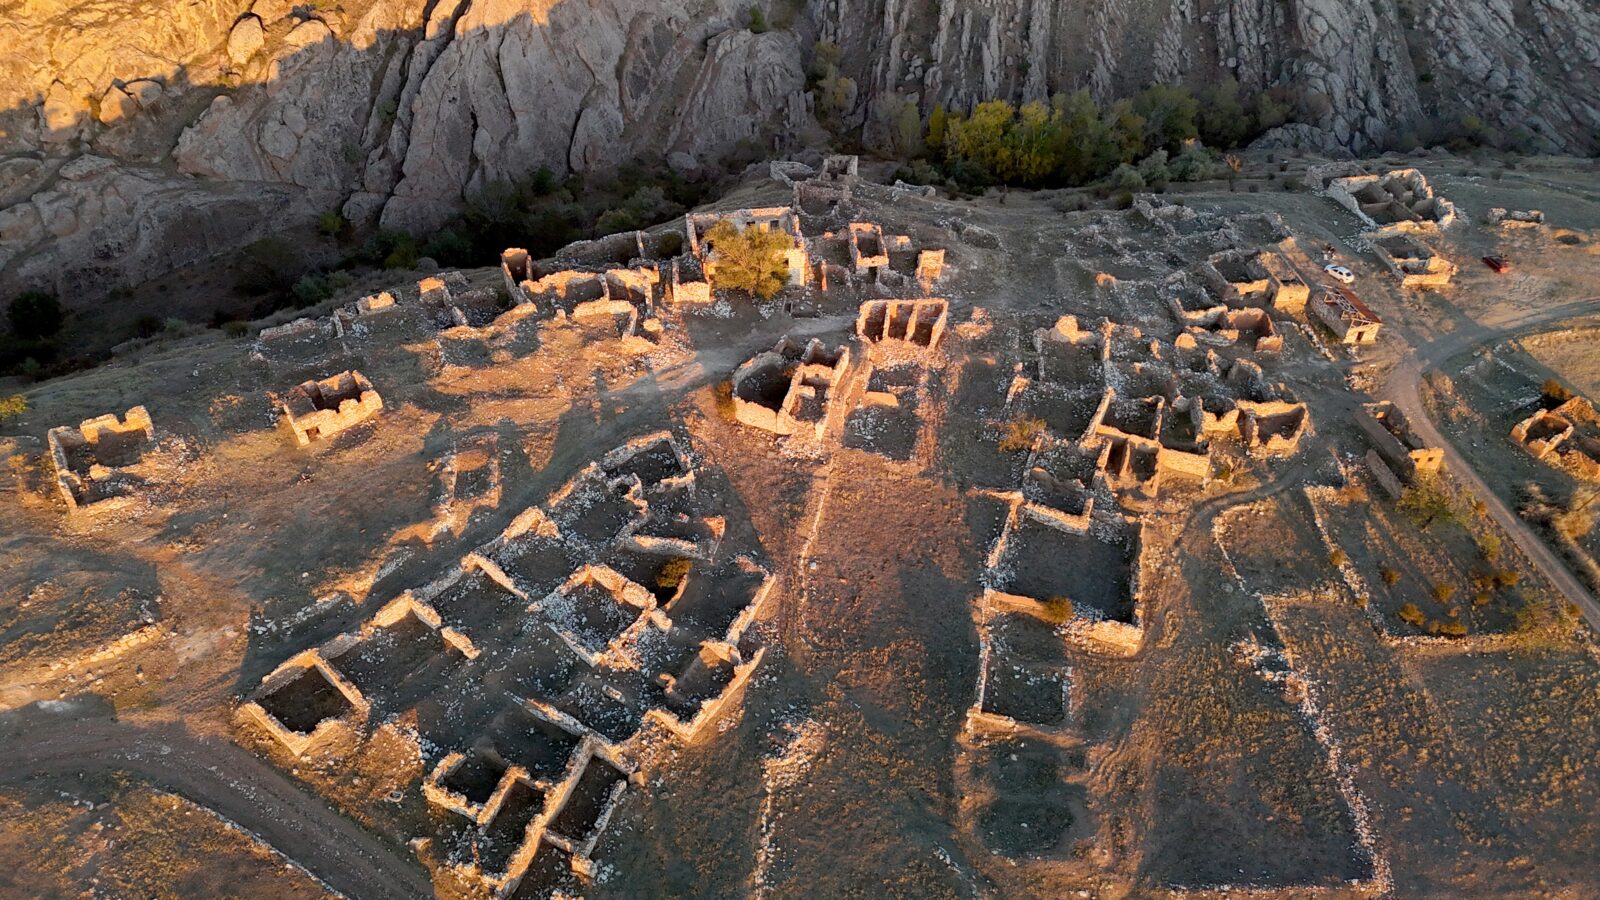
{"points": [[1034, 550], [612, 607]]}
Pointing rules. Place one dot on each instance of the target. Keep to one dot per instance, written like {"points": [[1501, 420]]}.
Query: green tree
{"points": [[1153, 169], [937, 123], [982, 138], [1123, 140], [1080, 137], [1031, 148], [35, 315], [902, 123], [1427, 502], [1224, 122], [753, 260], [1271, 109], [1193, 164], [1169, 114]]}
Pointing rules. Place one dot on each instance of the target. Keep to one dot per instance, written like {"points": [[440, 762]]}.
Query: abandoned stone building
{"points": [[97, 462], [1289, 290], [316, 410], [1399, 200], [791, 390], [1391, 436], [610, 607], [1350, 320], [1251, 328], [1567, 436], [897, 326], [1411, 262], [1237, 277]]}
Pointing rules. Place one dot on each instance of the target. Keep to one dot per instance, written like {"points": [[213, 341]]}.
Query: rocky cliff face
{"points": [[136, 138], [1368, 72]]}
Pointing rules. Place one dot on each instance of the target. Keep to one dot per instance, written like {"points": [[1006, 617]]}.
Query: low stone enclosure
{"points": [[1219, 326], [1399, 200], [1410, 261], [789, 390], [1554, 435], [568, 646], [1350, 320], [902, 327], [1121, 411], [96, 462], [616, 286], [1391, 436], [315, 410], [1073, 581], [1514, 218]]}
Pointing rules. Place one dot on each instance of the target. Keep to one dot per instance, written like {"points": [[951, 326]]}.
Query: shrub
{"points": [[331, 224], [1153, 169], [1390, 577], [614, 220], [1453, 629], [1480, 600], [13, 406], [1058, 609], [313, 288], [1411, 614], [236, 328], [1507, 578], [1489, 547], [1338, 558], [404, 254], [672, 574], [147, 326], [1193, 164], [1021, 434], [1126, 178], [1443, 592], [758, 20], [1554, 392], [753, 260], [450, 247], [268, 266], [35, 314]]}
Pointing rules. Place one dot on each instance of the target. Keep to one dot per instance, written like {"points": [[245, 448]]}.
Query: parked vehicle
{"points": [[1498, 263], [1340, 273]]}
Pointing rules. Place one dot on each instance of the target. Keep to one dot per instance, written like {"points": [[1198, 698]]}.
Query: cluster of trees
{"points": [[35, 319], [1145, 140]]}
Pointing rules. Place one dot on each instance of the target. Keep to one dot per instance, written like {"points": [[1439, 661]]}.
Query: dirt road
{"points": [[1404, 388], [65, 740]]}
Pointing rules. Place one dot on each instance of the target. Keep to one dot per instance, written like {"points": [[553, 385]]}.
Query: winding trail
{"points": [[1404, 388], [52, 743]]}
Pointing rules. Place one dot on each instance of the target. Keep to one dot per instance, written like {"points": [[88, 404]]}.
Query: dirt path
{"points": [[45, 743], [1404, 388]]}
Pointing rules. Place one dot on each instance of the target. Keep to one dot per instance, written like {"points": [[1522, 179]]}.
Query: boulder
{"points": [[246, 39]]}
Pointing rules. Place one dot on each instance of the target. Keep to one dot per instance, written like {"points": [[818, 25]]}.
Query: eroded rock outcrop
{"points": [[396, 112]]}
